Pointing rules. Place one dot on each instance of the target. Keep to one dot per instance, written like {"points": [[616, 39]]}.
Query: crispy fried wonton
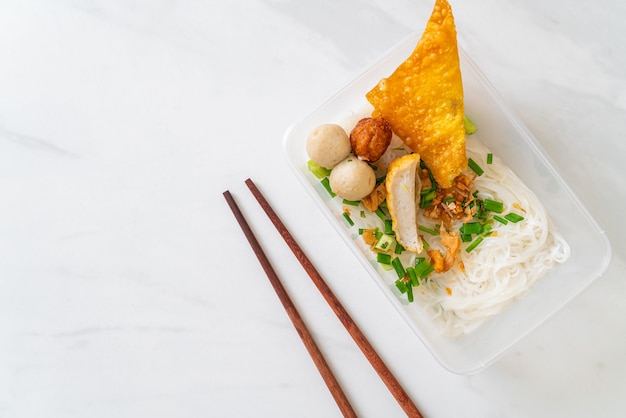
{"points": [[423, 98]]}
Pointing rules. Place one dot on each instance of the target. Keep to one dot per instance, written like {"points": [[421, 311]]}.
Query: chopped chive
{"points": [[489, 158], [397, 265], [474, 244], [480, 210], [423, 269], [493, 205], [469, 126], [399, 248], [513, 217], [475, 167], [348, 218], [427, 271], [409, 293], [383, 258], [326, 183], [501, 220], [317, 170], [414, 280], [428, 230], [351, 202], [381, 214], [384, 243], [428, 194], [388, 227], [402, 287], [471, 228]]}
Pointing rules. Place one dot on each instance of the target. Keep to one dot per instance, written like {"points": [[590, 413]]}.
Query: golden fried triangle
{"points": [[423, 98]]}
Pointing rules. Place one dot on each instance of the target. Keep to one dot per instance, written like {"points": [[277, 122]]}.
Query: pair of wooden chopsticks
{"points": [[368, 350]]}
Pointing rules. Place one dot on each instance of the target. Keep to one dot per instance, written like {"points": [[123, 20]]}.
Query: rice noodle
{"points": [[504, 266]]}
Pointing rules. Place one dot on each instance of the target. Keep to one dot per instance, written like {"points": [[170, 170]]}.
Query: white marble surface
{"points": [[127, 288]]}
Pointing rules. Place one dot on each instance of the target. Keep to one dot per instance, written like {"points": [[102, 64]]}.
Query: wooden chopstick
{"points": [[359, 338], [314, 351]]}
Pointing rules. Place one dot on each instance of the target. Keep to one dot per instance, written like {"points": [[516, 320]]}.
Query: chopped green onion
{"points": [[388, 227], [423, 268], [409, 293], [427, 271], [427, 198], [466, 237], [401, 285], [425, 203], [493, 205], [410, 271], [501, 220], [475, 167], [326, 183], [513, 217], [362, 214], [486, 230], [351, 202], [348, 218], [489, 158], [480, 210], [470, 128], [383, 258], [449, 199], [471, 228], [361, 230], [399, 248], [425, 244], [474, 244], [381, 214], [384, 243], [317, 170], [377, 234], [397, 265], [428, 230]]}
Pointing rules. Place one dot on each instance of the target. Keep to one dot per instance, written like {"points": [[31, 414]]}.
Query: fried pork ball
{"points": [[352, 179], [328, 144], [370, 138]]}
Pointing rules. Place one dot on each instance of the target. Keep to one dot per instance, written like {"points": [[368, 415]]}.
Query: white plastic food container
{"points": [[507, 137]]}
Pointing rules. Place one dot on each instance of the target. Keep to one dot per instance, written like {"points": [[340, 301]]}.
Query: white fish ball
{"points": [[352, 179], [328, 144]]}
